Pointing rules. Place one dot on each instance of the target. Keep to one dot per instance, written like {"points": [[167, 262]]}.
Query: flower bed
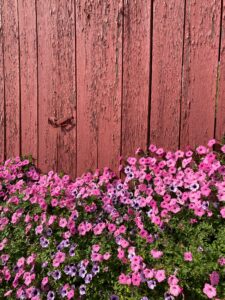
{"points": [[158, 233]]}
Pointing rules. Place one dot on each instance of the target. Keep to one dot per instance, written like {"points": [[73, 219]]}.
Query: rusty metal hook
{"points": [[66, 123]]}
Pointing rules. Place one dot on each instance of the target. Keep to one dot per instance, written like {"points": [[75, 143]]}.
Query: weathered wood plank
{"points": [[200, 71], [220, 110], [109, 131], [168, 23], [2, 100], [56, 74], [11, 71], [86, 88], [136, 75], [28, 75], [99, 75]]}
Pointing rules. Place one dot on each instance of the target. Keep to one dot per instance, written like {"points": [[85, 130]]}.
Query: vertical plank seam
{"points": [[150, 74], [75, 49], [57, 151], [97, 133], [221, 31], [37, 73], [218, 70], [182, 74], [56, 107], [97, 130], [4, 96], [19, 66], [97, 138], [122, 81]]}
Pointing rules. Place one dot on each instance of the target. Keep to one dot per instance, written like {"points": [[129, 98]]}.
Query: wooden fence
{"points": [[85, 81]]}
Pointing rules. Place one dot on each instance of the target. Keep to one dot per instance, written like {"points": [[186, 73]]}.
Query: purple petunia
{"points": [[56, 274], [50, 295], [44, 242], [88, 278], [82, 272], [151, 284], [114, 297], [82, 289]]}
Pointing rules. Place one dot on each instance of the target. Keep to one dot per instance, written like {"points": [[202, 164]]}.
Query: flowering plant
{"points": [[157, 233]]}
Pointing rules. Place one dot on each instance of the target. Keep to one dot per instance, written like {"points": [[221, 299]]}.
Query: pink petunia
{"points": [[106, 256], [124, 243], [51, 220], [122, 279], [173, 280], [96, 257], [188, 256], [222, 212], [223, 148], [120, 254], [160, 275], [95, 248], [20, 262], [214, 278], [30, 259], [70, 294], [148, 273], [209, 291], [132, 160], [39, 229], [111, 227], [44, 281], [8, 293], [221, 261], [152, 148], [54, 202], [136, 279], [156, 253], [175, 290], [5, 257], [59, 258], [211, 142], [62, 222], [201, 150]]}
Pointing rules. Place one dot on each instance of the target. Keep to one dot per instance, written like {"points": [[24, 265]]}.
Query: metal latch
{"points": [[66, 123]]}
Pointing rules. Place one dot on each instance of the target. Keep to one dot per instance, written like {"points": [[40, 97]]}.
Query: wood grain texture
{"points": [[2, 108], [99, 75], [56, 89], [220, 109], [136, 75], [11, 72], [200, 71], [168, 23], [90, 60], [28, 71], [87, 130]]}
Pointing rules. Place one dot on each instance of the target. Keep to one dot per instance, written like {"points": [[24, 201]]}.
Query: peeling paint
{"points": [[91, 60], [200, 72], [166, 73]]}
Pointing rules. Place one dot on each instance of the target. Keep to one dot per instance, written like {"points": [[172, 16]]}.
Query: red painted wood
{"points": [[2, 113], [200, 71], [220, 111], [109, 130], [136, 75], [11, 72], [66, 65], [168, 23], [28, 71], [99, 75], [56, 88], [92, 36], [86, 89]]}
